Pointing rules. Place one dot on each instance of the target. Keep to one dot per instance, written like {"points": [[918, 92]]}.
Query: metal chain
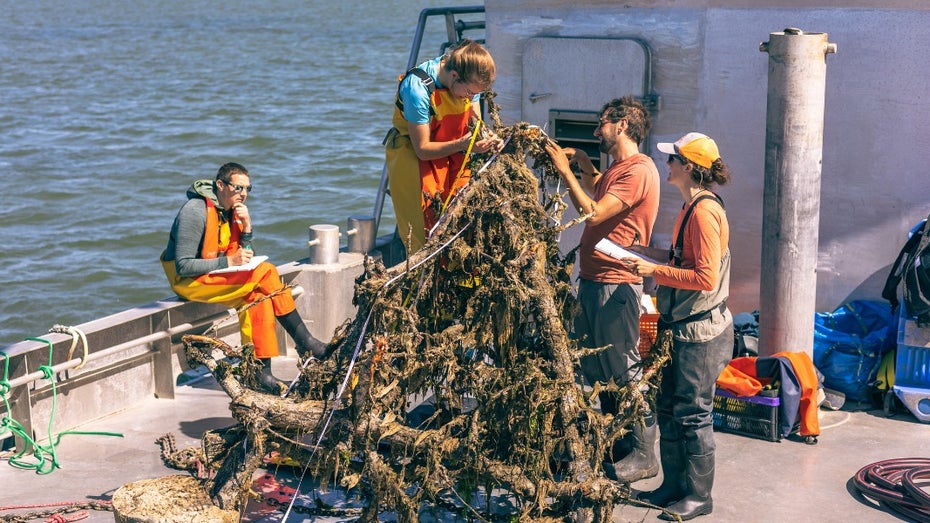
{"points": [[319, 510], [248, 306], [63, 508]]}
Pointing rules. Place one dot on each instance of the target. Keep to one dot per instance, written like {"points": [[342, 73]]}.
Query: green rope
{"points": [[42, 465]]}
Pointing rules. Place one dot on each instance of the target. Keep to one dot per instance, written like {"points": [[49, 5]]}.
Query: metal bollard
{"points": [[361, 234], [324, 244]]}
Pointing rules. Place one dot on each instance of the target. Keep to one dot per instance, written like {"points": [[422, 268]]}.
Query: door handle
{"points": [[538, 96]]}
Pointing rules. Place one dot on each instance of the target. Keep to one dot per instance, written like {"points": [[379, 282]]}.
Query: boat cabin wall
{"points": [[709, 75]]}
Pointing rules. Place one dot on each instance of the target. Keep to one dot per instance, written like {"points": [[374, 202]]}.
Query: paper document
{"points": [[648, 305], [238, 268], [615, 251]]}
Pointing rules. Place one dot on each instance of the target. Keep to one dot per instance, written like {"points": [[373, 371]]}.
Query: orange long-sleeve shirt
{"points": [[707, 236]]}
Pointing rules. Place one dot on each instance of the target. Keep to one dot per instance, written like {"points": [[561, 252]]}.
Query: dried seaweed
{"points": [[458, 375]]}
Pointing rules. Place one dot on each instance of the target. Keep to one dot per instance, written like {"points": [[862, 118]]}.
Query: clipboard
{"points": [[616, 251], [253, 263]]}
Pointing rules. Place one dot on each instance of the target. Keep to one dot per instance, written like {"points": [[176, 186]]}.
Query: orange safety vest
{"points": [[218, 238], [443, 177], [256, 324]]}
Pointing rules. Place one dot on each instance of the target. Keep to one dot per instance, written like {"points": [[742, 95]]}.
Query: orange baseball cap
{"points": [[696, 147]]}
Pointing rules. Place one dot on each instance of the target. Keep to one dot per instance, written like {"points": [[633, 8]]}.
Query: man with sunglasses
{"points": [[622, 204], [211, 237], [437, 119]]}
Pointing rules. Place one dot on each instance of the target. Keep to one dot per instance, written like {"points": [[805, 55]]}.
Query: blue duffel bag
{"points": [[849, 344]]}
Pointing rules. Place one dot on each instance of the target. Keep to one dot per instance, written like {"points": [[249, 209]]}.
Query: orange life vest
{"points": [[742, 378], [443, 177], [218, 238]]}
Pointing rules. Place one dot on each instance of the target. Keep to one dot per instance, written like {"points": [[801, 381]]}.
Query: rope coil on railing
{"points": [[41, 465], [76, 334], [5, 386], [38, 451]]}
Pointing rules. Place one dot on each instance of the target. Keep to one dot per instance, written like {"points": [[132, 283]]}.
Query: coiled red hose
{"points": [[895, 483]]}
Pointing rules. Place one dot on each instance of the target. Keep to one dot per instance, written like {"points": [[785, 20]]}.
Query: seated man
{"points": [[213, 230]]}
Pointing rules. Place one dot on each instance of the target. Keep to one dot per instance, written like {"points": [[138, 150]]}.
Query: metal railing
{"points": [[122, 359], [126, 357]]}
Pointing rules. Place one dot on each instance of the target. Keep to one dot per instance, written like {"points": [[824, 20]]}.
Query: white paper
{"points": [[615, 251], [239, 268], [647, 304]]}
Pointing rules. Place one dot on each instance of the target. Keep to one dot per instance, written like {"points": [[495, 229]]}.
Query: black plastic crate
{"points": [[755, 416]]}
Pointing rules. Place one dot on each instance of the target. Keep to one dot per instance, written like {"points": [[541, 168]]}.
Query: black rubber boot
{"points": [[622, 446], [266, 379], [641, 462], [304, 341], [672, 488], [699, 478]]}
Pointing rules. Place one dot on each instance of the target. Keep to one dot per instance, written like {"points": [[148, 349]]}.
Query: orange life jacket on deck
{"points": [[798, 396]]}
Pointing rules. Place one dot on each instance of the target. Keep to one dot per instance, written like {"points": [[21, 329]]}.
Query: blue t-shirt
{"points": [[414, 95]]}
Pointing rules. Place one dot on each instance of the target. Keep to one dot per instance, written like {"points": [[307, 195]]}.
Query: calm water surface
{"points": [[110, 109]]}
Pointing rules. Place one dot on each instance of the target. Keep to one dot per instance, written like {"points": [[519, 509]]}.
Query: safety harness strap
{"points": [[675, 255], [427, 82]]}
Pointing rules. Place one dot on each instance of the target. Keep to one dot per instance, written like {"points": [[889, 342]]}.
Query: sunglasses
{"points": [[238, 188], [679, 158]]}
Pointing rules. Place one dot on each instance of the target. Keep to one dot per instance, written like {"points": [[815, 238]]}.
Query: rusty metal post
{"points": [[791, 198]]}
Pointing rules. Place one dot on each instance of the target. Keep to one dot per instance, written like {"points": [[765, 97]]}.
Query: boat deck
{"points": [[757, 480]]}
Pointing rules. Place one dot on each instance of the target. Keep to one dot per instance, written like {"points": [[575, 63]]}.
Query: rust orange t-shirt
{"points": [[635, 182]]}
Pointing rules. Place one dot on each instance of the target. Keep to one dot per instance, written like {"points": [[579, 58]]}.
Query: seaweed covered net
{"points": [[458, 375]]}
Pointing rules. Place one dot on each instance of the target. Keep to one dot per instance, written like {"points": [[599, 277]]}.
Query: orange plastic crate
{"points": [[648, 330]]}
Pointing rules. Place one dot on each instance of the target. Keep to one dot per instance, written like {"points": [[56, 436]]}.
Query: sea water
{"points": [[110, 109]]}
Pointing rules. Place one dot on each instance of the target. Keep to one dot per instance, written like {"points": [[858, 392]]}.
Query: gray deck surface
{"points": [[757, 480]]}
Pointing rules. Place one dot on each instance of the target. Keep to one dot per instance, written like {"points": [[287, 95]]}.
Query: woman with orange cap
{"points": [[691, 297]]}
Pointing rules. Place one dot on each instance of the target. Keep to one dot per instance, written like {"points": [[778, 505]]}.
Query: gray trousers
{"points": [[686, 395], [609, 316]]}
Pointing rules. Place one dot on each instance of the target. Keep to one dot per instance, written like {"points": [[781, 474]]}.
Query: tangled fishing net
{"points": [[458, 379]]}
